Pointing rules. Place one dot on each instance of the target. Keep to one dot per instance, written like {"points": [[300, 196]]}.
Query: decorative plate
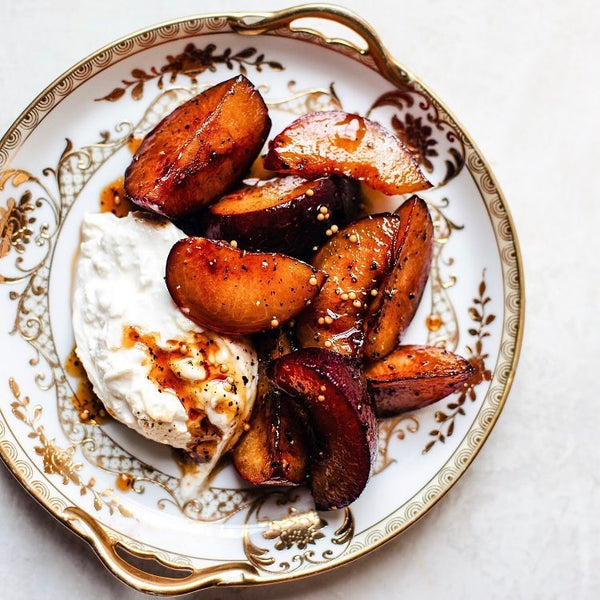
{"points": [[121, 492]]}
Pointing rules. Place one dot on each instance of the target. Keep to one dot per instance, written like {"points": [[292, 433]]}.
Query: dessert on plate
{"points": [[154, 369], [274, 329]]}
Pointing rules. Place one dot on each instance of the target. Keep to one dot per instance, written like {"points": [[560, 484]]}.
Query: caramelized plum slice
{"points": [[234, 292], [200, 150], [275, 450], [335, 142], [394, 308], [284, 214], [415, 376], [334, 392], [356, 260]]}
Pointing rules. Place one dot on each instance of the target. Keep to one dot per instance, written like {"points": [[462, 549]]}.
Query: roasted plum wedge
{"points": [[284, 214], [356, 259], [338, 143], [200, 150], [275, 448], [413, 376], [334, 392], [235, 292], [391, 311]]}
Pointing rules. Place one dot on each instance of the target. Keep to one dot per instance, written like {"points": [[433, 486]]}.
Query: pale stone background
{"points": [[523, 77]]}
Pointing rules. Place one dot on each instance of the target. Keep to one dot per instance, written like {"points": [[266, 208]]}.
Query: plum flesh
{"points": [[338, 143], [335, 395], [235, 292], [200, 150], [282, 214]]}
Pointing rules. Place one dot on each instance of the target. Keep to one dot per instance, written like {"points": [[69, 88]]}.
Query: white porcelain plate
{"points": [[121, 492]]}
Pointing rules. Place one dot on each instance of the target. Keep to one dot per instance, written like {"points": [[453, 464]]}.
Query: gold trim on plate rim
{"points": [[104, 541]]}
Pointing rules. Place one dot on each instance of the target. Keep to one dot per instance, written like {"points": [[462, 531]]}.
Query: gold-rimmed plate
{"points": [[120, 492]]}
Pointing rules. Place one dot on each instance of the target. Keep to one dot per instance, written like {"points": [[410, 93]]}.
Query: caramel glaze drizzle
{"points": [[165, 364], [124, 482], [112, 199], [349, 132], [86, 403], [133, 143]]}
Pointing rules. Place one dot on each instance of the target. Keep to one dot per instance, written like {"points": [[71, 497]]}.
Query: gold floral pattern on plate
{"points": [[58, 460], [300, 102], [477, 357], [390, 428], [304, 533], [191, 62], [442, 322], [298, 530], [15, 224]]}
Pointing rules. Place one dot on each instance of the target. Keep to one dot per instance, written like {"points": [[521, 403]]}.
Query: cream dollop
{"points": [[153, 368]]}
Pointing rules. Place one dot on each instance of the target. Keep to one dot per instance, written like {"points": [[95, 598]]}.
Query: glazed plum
{"points": [[235, 292], [391, 312], [282, 214], [335, 395], [275, 449], [356, 260], [412, 377], [338, 143], [200, 150]]}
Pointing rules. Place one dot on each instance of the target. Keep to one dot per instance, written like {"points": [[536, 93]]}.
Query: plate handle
{"points": [[264, 22], [164, 578]]}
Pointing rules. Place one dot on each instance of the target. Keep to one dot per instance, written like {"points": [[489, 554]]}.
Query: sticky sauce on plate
{"points": [[112, 199], [124, 482], [134, 143], [183, 368], [88, 406]]}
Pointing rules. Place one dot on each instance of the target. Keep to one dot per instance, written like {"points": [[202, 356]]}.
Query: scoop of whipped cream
{"points": [[153, 368]]}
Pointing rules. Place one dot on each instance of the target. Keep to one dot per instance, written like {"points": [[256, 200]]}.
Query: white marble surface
{"points": [[523, 77]]}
